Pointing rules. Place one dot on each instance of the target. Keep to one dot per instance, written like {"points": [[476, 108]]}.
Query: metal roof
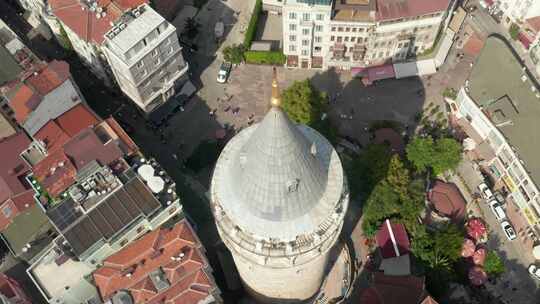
{"points": [[278, 180], [109, 217], [54, 104]]}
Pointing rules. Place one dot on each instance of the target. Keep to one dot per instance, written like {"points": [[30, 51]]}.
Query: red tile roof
{"points": [[55, 172], [386, 289], [76, 119], [392, 240], [84, 22], [534, 24], [86, 147], [158, 250], [395, 9], [131, 147], [17, 204], [447, 200], [57, 132], [53, 75], [12, 167], [23, 102], [28, 95], [52, 136]]}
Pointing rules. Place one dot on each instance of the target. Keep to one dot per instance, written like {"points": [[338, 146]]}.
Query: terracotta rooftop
{"points": [[164, 266], [80, 19], [392, 240], [447, 200], [23, 102], [534, 24], [386, 289], [67, 157], [27, 95], [58, 131], [55, 172], [395, 9], [53, 75], [12, 168]]}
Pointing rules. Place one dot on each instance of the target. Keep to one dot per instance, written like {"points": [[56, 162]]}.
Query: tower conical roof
{"points": [[277, 179]]}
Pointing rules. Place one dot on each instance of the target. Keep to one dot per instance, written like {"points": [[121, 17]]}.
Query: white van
{"points": [[497, 210]]}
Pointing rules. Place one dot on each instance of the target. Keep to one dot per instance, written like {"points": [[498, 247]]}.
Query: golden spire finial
{"points": [[275, 101]]}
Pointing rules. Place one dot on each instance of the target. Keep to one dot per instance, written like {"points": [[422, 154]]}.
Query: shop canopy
{"points": [[380, 72]]}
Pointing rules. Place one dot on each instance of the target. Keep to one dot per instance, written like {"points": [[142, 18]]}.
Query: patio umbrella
{"points": [[479, 256], [467, 249], [477, 276], [476, 228]]}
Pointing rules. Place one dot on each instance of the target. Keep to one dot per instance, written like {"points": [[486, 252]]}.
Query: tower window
{"points": [[292, 185]]}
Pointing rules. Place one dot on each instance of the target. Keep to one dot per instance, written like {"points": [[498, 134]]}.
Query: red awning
{"points": [[358, 71], [489, 2], [524, 39], [381, 72]]}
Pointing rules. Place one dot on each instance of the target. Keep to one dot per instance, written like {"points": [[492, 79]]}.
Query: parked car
{"points": [[497, 210], [485, 191], [534, 270], [499, 197], [224, 71], [508, 230]]}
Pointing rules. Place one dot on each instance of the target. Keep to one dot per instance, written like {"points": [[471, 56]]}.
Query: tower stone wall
{"points": [[279, 196]]}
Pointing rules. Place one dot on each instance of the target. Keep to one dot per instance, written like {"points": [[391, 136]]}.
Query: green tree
{"points": [[441, 155], [514, 31], [305, 104], [394, 195], [302, 102], [438, 249], [368, 169], [398, 176], [493, 265], [447, 155], [234, 53], [420, 152]]}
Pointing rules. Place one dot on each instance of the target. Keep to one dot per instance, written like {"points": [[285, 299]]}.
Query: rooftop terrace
{"points": [[499, 85]]}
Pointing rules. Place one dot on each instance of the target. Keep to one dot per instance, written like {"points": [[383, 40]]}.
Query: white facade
{"points": [[345, 36], [306, 31], [145, 58], [519, 10], [506, 164]]}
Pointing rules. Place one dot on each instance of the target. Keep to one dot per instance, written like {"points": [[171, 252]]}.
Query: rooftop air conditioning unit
{"points": [[136, 12], [122, 26], [99, 9]]}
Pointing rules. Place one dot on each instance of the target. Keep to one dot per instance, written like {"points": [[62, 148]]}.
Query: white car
{"points": [[223, 72], [497, 210], [534, 271], [485, 191], [508, 230]]}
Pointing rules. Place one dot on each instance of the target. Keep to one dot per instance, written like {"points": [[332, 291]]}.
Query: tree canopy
{"points": [[394, 196], [493, 265], [234, 53], [305, 104], [440, 155]]}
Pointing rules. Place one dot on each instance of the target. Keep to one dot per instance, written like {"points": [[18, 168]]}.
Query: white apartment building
{"points": [[352, 34], [518, 10], [148, 70], [500, 115], [124, 41]]}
